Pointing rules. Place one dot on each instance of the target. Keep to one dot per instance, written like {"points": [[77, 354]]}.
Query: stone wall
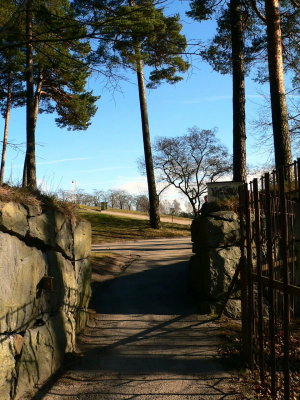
{"points": [[217, 253], [44, 294]]}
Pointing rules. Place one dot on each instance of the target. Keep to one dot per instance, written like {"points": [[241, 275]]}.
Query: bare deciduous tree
{"points": [[188, 162], [176, 207], [142, 203], [165, 206]]}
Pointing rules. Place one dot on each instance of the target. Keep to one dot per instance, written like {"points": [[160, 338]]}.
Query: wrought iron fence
{"points": [[269, 265]]}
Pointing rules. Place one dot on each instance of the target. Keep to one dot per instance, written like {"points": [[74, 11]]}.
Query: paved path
{"points": [[146, 341]]}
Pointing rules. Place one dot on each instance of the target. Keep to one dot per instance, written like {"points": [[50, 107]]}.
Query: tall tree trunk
{"points": [[24, 180], [37, 98], [6, 125], [30, 125], [153, 198], [282, 145], [238, 95]]}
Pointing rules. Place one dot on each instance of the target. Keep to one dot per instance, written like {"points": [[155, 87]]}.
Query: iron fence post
{"points": [[246, 337], [285, 255], [259, 281], [269, 234]]}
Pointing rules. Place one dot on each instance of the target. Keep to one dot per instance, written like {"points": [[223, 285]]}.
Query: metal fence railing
{"points": [[269, 211]]}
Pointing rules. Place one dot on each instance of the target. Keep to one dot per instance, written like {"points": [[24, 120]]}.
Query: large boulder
{"points": [[233, 309], [210, 272], [21, 269], [42, 228], [216, 241], [221, 266], [7, 366], [42, 355], [45, 291], [13, 218], [82, 239], [219, 229], [71, 293], [83, 272], [65, 238]]}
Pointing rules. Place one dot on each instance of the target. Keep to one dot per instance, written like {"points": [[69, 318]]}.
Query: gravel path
{"points": [[146, 340]]}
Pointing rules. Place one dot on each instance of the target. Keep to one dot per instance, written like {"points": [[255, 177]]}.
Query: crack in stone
{"points": [[49, 234], [38, 243]]}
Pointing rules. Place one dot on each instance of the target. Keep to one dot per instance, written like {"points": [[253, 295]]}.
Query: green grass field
{"points": [[109, 228]]}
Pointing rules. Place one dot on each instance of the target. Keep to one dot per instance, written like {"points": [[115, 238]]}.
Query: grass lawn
{"points": [[87, 208], [118, 210], [109, 228]]}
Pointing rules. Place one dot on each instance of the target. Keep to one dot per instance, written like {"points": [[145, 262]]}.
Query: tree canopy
{"points": [[188, 162], [51, 67]]}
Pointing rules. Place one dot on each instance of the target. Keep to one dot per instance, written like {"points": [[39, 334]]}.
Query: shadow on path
{"points": [[146, 341], [158, 290]]}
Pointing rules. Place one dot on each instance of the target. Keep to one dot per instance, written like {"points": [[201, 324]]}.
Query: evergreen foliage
{"points": [[136, 34], [226, 54], [120, 28], [258, 49], [54, 62]]}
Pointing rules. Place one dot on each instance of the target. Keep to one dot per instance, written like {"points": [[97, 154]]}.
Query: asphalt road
{"points": [[146, 340]]}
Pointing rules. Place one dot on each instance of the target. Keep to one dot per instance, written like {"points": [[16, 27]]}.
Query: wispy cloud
{"points": [[64, 160], [120, 168], [56, 161]]}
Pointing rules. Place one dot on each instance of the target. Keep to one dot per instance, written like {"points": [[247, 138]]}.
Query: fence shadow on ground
{"points": [[146, 341]]}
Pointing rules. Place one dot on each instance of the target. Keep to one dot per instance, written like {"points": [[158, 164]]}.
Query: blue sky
{"points": [[105, 156]]}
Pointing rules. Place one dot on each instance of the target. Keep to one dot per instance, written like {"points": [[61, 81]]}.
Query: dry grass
{"points": [[123, 211], [19, 195], [67, 208], [36, 198]]}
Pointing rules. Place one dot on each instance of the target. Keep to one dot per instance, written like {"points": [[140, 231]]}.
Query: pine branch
{"points": [[258, 13], [295, 3]]}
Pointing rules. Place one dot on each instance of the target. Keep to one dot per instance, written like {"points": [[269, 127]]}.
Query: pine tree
{"points": [[55, 71], [11, 77], [138, 34], [228, 52], [11, 94], [281, 134]]}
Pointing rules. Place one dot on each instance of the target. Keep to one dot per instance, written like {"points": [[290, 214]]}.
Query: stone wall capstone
{"points": [[45, 291]]}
